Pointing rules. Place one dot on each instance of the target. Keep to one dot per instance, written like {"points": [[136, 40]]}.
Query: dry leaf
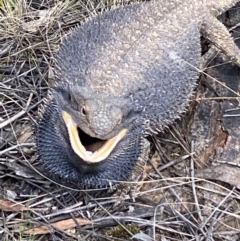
{"points": [[142, 236], [25, 134], [61, 225], [44, 17], [9, 206]]}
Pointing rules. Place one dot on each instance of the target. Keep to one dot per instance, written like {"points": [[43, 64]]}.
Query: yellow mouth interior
{"points": [[103, 150]]}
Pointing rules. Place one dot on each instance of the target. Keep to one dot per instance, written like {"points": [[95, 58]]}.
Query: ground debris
{"points": [[9, 206], [61, 225]]}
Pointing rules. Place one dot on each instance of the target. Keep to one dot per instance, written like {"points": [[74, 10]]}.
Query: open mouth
{"points": [[90, 149]]}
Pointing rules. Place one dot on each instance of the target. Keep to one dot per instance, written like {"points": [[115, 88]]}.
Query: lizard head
{"points": [[95, 123]]}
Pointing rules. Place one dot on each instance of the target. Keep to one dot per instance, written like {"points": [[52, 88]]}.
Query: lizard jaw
{"points": [[98, 155]]}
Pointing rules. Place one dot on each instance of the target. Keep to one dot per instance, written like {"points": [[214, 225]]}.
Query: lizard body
{"points": [[121, 75]]}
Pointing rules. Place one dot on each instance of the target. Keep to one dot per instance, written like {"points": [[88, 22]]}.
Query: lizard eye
{"points": [[83, 111]]}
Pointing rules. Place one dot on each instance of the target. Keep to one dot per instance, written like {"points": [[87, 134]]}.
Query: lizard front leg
{"points": [[217, 33]]}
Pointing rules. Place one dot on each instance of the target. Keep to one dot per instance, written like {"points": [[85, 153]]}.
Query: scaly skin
{"points": [[132, 68]]}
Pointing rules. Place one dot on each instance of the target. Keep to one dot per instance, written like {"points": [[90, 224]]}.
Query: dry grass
{"points": [[172, 205]]}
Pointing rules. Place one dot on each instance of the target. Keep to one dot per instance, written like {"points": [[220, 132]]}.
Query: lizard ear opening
{"points": [[98, 150]]}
